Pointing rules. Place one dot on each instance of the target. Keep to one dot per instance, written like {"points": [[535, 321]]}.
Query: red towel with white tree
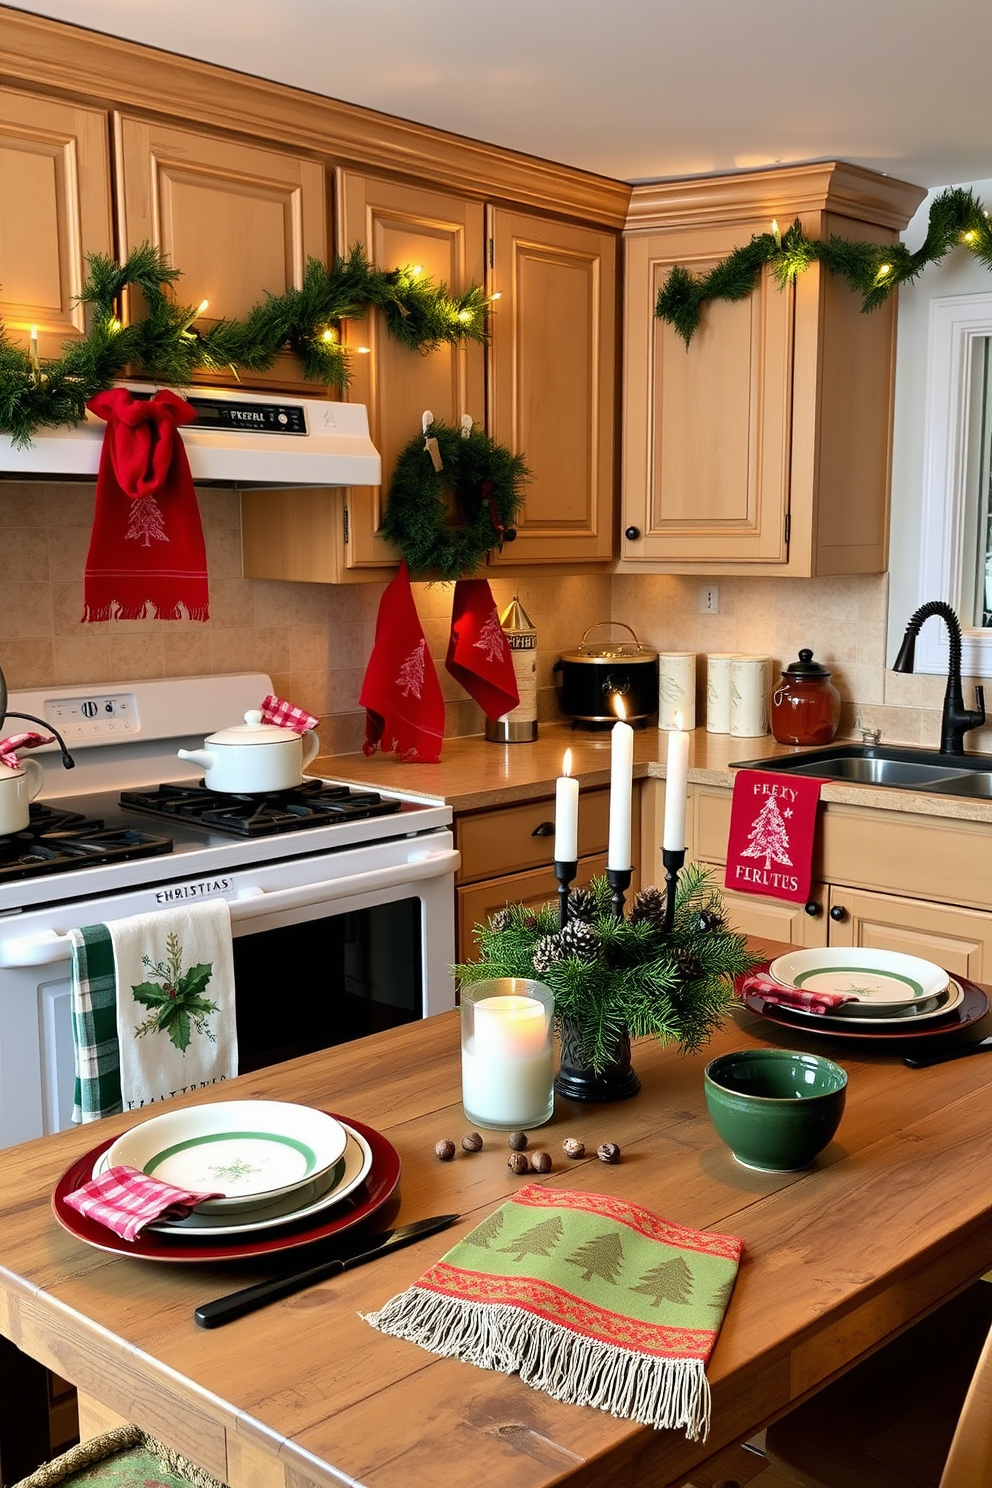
{"points": [[772, 833], [404, 709], [479, 655]]}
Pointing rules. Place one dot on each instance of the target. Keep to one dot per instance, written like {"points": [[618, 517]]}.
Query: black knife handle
{"points": [[923, 1061], [236, 1304]]}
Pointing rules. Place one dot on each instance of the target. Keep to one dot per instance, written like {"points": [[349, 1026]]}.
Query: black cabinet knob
{"points": [[544, 829], [838, 912], [813, 908], [632, 533]]}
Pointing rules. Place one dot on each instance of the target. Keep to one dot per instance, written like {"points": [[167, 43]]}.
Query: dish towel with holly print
{"points": [[146, 551], [404, 709], [479, 655], [772, 831], [152, 1007], [586, 1296]]}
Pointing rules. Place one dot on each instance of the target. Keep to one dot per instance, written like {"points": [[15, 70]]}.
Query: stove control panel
{"points": [[95, 719]]}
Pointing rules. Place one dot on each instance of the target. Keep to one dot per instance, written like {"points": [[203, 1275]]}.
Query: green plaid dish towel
{"points": [[588, 1297], [93, 998]]}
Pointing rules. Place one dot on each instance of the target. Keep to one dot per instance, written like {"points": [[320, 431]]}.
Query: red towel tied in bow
{"points": [[479, 655], [772, 827], [287, 715], [401, 693], [146, 551], [20, 741]]}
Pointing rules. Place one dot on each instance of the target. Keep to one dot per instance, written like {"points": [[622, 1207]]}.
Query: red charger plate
{"points": [[155, 1245], [972, 1007]]}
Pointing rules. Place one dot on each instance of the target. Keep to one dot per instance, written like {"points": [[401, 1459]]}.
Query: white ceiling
{"points": [[636, 89]]}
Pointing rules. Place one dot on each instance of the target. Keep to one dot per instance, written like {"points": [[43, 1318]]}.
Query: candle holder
{"points": [[674, 860], [507, 1067], [619, 882], [564, 873]]}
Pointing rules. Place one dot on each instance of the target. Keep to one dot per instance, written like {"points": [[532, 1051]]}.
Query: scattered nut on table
{"points": [[444, 1149], [517, 1140], [472, 1142], [518, 1162], [609, 1152], [572, 1147], [541, 1162]]}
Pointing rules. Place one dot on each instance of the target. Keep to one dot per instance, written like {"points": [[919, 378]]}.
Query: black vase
{"points": [[577, 1081]]}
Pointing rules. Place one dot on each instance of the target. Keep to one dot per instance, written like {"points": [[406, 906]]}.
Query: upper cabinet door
{"points": [[399, 227], [552, 381], [55, 195], [239, 221]]}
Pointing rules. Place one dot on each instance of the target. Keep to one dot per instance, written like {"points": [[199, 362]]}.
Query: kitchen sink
{"points": [[879, 764]]}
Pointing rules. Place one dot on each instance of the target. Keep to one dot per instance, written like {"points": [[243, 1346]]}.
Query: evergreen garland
{"points": [[167, 349], [873, 270], [485, 481], [632, 980]]}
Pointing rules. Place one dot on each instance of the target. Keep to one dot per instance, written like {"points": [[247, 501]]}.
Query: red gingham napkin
{"points": [[126, 1200], [772, 991], [20, 741], [286, 715]]}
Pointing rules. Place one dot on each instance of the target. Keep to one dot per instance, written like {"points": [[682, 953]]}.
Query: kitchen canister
{"points": [[519, 726], [677, 690], [718, 691], [748, 696]]}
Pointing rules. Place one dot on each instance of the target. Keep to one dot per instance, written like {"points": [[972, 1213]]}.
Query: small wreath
{"points": [[483, 483]]}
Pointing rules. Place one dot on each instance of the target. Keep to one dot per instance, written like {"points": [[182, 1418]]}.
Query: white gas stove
{"points": [[351, 888]]}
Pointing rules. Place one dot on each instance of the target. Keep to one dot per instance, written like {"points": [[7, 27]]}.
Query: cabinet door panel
{"points": [[478, 901], [55, 190], [960, 940], [552, 381], [401, 226], [774, 919], [238, 220], [515, 837]]}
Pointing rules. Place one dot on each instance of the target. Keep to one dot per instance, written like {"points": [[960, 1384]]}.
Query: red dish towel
{"points": [[769, 990], [287, 715], [479, 655], [147, 549], [772, 827], [126, 1200], [401, 694], [20, 741]]}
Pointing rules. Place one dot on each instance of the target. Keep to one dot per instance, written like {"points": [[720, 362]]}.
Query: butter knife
{"points": [[236, 1304], [939, 1056]]}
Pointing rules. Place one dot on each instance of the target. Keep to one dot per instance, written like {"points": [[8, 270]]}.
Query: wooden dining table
{"points": [[893, 1217]]}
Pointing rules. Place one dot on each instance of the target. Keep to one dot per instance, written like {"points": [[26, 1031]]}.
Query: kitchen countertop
{"points": [[474, 774]]}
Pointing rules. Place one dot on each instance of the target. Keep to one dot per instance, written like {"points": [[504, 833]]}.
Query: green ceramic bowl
{"points": [[775, 1108]]}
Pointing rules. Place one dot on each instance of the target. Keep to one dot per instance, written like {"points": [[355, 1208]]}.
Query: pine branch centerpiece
{"points": [[617, 979]]}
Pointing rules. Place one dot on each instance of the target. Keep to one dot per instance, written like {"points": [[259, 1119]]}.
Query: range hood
{"points": [[243, 439]]}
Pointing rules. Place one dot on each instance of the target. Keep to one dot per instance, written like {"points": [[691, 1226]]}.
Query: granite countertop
{"points": [[474, 774]]}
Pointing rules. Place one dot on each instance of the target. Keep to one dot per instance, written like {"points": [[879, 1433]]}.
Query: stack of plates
{"points": [[894, 995], [285, 1175]]}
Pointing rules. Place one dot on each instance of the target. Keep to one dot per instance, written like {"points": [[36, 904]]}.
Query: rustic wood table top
{"points": [[895, 1216]]}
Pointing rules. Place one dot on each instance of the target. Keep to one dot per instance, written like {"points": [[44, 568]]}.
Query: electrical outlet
{"points": [[709, 599]]}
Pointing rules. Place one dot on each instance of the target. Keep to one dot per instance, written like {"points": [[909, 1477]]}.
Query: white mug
{"points": [[749, 696], [18, 788]]}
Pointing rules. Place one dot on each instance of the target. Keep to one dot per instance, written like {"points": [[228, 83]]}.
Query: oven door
{"points": [[342, 943]]}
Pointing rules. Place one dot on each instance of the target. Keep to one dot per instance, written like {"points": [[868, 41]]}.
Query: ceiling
{"points": [[637, 89]]}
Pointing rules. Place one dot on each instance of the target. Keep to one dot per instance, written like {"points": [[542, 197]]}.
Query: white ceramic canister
{"points": [[718, 686], [253, 756], [677, 690], [749, 696], [18, 788]]}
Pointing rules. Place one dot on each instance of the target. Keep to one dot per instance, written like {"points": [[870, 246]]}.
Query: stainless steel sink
{"points": [[880, 764]]}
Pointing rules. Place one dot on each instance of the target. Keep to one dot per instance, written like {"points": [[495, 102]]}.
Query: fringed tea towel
{"points": [[589, 1297]]}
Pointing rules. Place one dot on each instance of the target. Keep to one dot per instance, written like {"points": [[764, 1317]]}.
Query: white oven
{"points": [[341, 927]]}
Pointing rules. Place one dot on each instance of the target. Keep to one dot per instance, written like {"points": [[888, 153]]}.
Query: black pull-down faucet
{"points": [[956, 719]]}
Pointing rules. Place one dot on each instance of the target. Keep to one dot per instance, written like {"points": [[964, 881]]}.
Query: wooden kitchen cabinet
{"points": [[55, 190], [763, 448]]}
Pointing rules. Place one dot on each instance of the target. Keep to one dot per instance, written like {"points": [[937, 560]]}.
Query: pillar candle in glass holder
{"points": [[676, 689], [507, 1073]]}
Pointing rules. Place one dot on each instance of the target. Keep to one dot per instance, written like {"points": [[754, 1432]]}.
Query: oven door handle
{"points": [[48, 946]]}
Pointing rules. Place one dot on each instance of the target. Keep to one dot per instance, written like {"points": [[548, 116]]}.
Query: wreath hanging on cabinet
{"points": [[460, 469]]}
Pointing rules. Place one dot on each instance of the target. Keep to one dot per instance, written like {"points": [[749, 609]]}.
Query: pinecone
{"points": [[649, 905], [501, 920], [582, 905], [710, 921], [690, 968], [546, 953], [579, 940]]}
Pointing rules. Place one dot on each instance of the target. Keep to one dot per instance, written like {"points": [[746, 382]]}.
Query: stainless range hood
{"points": [[244, 439]]}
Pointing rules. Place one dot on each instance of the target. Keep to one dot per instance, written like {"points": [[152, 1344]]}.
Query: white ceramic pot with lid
{"points": [[253, 756], [18, 788]]}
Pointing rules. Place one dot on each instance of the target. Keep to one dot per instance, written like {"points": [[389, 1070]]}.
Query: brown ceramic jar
{"points": [[805, 704]]}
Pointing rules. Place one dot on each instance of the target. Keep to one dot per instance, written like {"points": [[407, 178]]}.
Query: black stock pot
{"points": [[592, 678]]}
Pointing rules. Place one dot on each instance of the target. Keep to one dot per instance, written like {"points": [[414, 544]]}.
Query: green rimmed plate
{"points": [[880, 981]]}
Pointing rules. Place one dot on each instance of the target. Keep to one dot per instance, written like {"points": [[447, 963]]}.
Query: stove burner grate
{"points": [[56, 841], [315, 803]]}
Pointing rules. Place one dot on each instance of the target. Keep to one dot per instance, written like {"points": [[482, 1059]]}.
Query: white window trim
{"points": [[956, 322]]}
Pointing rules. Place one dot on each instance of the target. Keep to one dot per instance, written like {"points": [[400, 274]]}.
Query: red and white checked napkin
{"points": [[20, 741], [126, 1200], [769, 990], [286, 715]]}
